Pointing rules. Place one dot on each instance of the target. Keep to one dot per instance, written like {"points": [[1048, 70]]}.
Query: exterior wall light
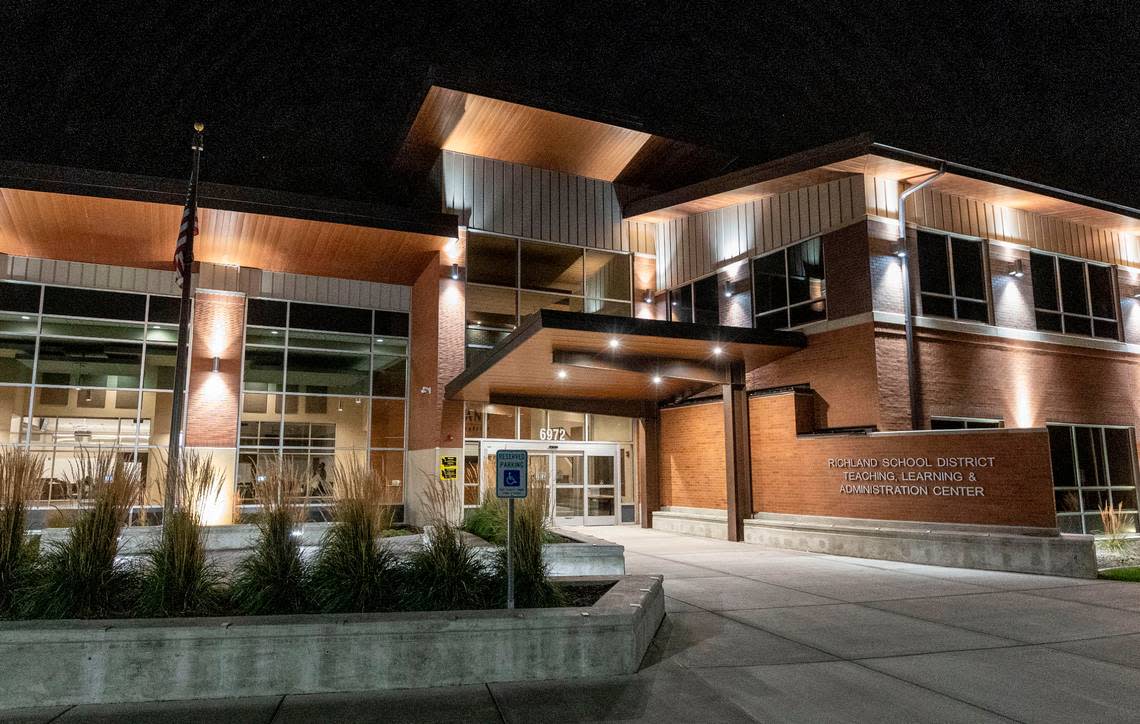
{"points": [[728, 289], [454, 271], [561, 374], [1018, 270], [217, 364], [649, 297]]}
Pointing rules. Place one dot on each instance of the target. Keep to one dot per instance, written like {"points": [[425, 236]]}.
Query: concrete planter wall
{"points": [[583, 556], [69, 662]]}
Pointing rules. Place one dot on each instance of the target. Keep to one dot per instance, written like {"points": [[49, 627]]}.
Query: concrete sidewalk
{"points": [[772, 635]]}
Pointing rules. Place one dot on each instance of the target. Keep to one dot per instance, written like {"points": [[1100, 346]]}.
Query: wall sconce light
{"points": [[454, 271], [649, 297], [217, 364], [728, 290], [900, 249], [1018, 270]]}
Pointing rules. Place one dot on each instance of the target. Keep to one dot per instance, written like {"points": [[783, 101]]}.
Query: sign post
{"points": [[510, 483]]}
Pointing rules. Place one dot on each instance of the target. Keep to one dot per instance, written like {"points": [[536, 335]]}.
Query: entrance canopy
{"points": [[613, 365]]}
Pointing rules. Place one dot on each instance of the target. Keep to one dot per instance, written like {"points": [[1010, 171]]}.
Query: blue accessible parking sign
{"points": [[510, 474]]}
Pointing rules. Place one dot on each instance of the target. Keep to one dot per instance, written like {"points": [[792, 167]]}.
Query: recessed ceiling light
{"points": [[561, 374], [717, 350], [614, 343], [273, 331], [24, 316], [379, 341], [656, 379]]}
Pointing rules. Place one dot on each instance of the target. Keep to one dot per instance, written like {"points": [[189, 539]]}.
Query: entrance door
{"points": [[584, 481]]}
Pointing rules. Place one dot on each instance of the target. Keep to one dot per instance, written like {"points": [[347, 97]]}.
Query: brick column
{"points": [[737, 453], [648, 470], [212, 397], [435, 425]]}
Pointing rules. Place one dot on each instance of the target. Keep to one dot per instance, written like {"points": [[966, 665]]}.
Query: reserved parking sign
{"points": [[510, 474]]}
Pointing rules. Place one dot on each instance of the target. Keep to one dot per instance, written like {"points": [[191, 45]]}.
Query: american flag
{"points": [[184, 247]]}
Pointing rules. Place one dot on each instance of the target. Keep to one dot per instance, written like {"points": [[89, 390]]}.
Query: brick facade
{"points": [[213, 397], [791, 472], [436, 358], [847, 268], [692, 469]]}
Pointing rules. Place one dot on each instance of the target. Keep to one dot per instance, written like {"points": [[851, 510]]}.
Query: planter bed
{"points": [[51, 663]]}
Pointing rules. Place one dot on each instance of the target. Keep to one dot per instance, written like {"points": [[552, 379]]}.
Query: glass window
{"points": [[606, 428], [706, 301], [164, 309], [266, 313], [681, 304], [964, 423], [532, 424], [20, 297], [91, 364], [264, 370], [551, 268], [91, 329], [329, 318], [17, 356], [531, 302], [1074, 297], [500, 422], [389, 376], [390, 324], [388, 423], [952, 277], [492, 260], [1093, 468], [562, 425], [789, 287], [607, 275], [71, 302]]}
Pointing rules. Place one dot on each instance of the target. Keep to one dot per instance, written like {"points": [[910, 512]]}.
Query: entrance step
{"points": [[704, 522]]}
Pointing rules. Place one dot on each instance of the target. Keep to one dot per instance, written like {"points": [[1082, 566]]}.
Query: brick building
{"points": [[678, 339]]}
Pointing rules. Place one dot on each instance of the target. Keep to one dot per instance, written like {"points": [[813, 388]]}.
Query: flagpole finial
{"points": [[199, 126]]}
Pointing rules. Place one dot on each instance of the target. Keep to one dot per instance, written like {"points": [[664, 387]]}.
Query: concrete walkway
{"points": [[757, 634]]}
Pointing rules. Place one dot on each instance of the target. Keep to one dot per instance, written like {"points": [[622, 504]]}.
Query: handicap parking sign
{"points": [[510, 474]]}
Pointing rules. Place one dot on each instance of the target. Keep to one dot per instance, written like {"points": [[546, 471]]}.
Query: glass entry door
{"points": [[583, 482]]}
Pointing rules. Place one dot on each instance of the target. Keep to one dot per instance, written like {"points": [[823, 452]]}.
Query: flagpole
{"points": [[182, 357]]}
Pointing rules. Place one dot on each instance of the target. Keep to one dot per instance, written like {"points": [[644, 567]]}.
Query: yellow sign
{"points": [[448, 467]]}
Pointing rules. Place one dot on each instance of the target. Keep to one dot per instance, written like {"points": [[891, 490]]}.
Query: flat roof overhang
{"points": [[861, 155], [524, 369], [128, 220]]}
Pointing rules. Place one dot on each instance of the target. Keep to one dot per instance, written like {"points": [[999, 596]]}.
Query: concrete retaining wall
{"points": [[584, 556], [1030, 550], [49, 663], [704, 522]]}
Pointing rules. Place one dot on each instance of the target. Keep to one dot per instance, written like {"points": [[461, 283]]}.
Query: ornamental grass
{"points": [[353, 572], [446, 574], [177, 579], [80, 577], [271, 580], [20, 474], [533, 587]]}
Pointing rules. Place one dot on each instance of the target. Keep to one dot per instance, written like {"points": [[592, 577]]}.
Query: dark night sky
{"points": [[312, 98]]}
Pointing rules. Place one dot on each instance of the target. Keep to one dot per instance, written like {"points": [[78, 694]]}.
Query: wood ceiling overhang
{"points": [[103, 218], [524, 369], [480, 125], [861, 156]]}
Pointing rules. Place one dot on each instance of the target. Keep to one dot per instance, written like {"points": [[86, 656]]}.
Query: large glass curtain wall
{"points": [[81, 368], [323, 385], [1094, 467], [509, 278]]}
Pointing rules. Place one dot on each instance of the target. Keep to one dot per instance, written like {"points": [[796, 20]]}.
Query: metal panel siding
{"points": [[696, 245], [961, 215], [537, 203]]}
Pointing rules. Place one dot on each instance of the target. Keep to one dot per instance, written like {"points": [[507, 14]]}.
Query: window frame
{"points": [[789, 306], [1059, 291], [1078, 488], [987, 423], [954, 297]]}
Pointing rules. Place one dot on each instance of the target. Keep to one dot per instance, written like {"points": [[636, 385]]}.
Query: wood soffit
{"points": [[141, 233], [529, 363], [479, 125]]}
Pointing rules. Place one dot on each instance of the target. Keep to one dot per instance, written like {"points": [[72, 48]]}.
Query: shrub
{"points": [[446, 574], [353, 572], [489, 520], [79, 577], [533, 587], [177, 579], [20, 473], [272, 579]]}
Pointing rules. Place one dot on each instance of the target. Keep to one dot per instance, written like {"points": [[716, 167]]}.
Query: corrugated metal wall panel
{"points": [[971, 217]]}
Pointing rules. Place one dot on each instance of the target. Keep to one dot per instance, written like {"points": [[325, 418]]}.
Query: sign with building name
{"points": [[449, 467], [510, 474], [912, 476]]}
